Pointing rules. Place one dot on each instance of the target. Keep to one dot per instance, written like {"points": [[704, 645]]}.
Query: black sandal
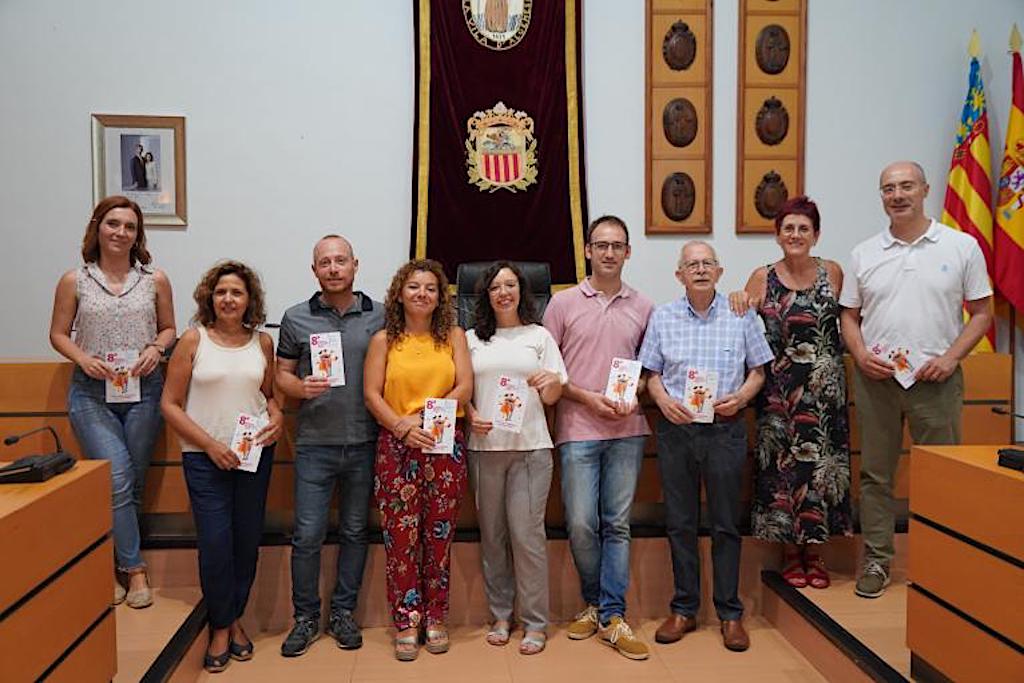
{"points": [[214, 664], [242, 653]]}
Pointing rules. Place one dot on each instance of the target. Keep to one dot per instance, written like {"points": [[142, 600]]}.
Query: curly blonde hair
{"points": [[255, 313], [442, 319]]}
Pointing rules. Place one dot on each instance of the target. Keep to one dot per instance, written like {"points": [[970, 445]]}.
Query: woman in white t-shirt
{"points": [[518, 369]]}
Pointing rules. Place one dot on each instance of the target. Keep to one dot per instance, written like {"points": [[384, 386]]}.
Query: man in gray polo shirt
{"points": [[334, 443]]}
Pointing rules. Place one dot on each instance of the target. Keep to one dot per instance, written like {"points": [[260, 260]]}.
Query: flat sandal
{"points": [[437, 640]]}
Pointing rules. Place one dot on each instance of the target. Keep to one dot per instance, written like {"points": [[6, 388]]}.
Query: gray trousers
{"points": [[511, 489]]}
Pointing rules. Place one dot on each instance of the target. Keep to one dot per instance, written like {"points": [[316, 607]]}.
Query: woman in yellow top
{"points": [[420, 354]]}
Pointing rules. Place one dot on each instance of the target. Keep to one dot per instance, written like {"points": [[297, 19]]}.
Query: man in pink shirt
{"points": [[600, 440]]}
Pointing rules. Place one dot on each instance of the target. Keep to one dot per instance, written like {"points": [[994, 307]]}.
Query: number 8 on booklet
{"points": [[701, 391], [325, 357], [244, 444], [439, 420], [623, 377]]}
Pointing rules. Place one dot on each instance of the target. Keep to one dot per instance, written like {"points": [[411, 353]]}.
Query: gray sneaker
{"points": [[344, 629], [303, 634], [873, 580]]}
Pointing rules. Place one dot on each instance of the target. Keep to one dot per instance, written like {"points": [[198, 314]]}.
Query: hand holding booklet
{"points": [[439, 420], [623, 378], [124, 387], [905, 360], [244, 443], [325, 357], [510, 406], [700, 394]]}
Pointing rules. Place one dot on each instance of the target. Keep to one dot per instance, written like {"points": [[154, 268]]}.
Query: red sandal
{"points": [[793, 570], [817, 575]]}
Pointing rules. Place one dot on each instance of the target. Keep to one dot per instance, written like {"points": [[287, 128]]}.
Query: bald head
{"points": [[332, 240], [911, 167]]}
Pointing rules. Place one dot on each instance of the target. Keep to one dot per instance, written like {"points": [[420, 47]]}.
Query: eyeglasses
{"points": [[616, 247], [796, 230], [905, 187], [697, 266]]}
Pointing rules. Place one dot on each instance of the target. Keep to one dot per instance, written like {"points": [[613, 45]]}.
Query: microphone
{"points": [[999, 410], [15, 438]]}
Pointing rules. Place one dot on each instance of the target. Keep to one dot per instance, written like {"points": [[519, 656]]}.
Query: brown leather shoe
{"points": [[734, 636], [674, 628]]}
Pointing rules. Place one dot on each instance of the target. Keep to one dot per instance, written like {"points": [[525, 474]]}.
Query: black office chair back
{"points": [[537, 274]]}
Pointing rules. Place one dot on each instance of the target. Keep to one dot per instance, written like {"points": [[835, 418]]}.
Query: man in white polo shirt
{"points": [[905, 289]]}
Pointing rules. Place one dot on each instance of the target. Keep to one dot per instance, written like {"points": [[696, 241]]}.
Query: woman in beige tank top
{"points": [[219, 380]]}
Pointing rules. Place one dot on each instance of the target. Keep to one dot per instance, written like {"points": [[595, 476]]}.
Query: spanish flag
{"points": [[1010, 205], [968, 203]]}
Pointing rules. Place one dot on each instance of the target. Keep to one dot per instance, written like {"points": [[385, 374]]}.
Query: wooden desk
{"points": [[58, 568], [966, 568]]}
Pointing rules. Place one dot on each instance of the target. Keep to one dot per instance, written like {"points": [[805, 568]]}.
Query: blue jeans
{"points": [[122, 434], [598, 483], [318, 470], [686, 454], [227, 507]]}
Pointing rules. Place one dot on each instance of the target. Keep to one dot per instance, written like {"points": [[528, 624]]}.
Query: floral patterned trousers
{"points": [[418, 495]]}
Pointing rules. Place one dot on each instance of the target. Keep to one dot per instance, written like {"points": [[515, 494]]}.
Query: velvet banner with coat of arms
{"points": [[498, 137]]}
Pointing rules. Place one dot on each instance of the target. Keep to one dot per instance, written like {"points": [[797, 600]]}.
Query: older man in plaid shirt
{"points": [[699, 333]]}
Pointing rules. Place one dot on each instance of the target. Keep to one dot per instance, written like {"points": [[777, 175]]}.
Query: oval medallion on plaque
{"points": [[679, 47], [772, 122], [772, 49], [677, 196], [679, 121], [770, 195]]}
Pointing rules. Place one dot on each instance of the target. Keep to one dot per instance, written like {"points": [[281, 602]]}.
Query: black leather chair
{"points": [[537, 274]]}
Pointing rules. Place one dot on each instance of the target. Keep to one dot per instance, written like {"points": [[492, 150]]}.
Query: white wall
{"points": [[299, 120]]}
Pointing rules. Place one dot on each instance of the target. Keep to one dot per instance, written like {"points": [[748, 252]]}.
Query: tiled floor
{"points": [[142, 634], [699, 657]]}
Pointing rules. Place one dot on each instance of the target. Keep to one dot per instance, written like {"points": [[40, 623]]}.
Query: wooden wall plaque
{"points": [[770, 121], [677, 158]]}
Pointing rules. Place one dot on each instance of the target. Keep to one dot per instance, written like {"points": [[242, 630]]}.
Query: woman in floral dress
{"points": [[421, 353], [802, 458]]}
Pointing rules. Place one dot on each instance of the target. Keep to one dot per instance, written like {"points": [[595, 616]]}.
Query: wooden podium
{"points": [[58, 569], [965, 600]]}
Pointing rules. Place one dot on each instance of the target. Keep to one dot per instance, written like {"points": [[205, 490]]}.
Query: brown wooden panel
{"points": [[792, 74], [44, 526], [994, 592], [661, 148], [34, 387], [788, 147], [958, 649], [988, 376], [34, 636], [752, 172], [699, 219], [93, 659], [962, 488], [678, 5], [773, 6], [699, 71]]}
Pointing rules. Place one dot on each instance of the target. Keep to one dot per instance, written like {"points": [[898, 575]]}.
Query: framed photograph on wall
{"points": [[142, 158]]}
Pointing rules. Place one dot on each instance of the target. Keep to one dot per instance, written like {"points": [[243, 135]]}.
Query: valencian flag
{"points": [[498, 160], [968, 203], [1010, 204]]}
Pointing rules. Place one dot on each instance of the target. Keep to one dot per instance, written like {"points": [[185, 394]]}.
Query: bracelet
{"points": [[158, 347]]}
